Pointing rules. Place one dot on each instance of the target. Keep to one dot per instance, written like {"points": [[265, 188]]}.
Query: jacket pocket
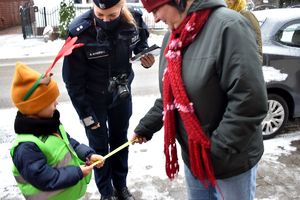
{"points": [[226, 159]]}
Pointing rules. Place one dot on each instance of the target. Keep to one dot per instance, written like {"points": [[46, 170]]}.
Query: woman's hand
{"points": [[138, 139], [147, 60]]}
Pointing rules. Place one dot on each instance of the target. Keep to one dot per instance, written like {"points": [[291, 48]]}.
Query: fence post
{"points": [[45, 17], [22, 22]]}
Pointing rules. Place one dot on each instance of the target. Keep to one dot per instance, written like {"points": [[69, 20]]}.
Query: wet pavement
{"points": [[280, 179], [277, 178]]}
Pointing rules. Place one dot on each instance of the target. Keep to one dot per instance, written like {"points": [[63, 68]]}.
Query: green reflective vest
{"points": [[59, 153]]}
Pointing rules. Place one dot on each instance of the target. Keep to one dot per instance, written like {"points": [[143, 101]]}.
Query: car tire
{"points": [[276, 118]]}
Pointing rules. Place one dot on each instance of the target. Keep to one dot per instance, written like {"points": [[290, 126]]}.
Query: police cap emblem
{"points": [[105, 4]]}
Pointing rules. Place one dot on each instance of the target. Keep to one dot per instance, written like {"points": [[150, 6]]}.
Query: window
{"points": [[290, 35]]}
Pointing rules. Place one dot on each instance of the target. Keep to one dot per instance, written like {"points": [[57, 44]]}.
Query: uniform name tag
{"points": [[97, 54]]}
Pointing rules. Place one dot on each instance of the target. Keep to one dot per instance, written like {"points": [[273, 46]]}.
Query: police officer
{"points": [[98, 78]]}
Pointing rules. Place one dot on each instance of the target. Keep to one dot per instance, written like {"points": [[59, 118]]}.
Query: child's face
{"points": [[48, 111]]}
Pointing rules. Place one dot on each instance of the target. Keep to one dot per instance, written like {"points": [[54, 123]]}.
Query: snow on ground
{"points": [[281, 145], [145, 161], [14, 46]]}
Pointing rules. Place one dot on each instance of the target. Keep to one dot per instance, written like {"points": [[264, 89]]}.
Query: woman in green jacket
{"points": [[213, 98]]}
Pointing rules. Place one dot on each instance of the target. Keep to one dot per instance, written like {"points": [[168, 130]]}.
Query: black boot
{"points": [[124, 194]]}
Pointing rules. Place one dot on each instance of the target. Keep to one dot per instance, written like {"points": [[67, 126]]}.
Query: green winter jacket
{"points": [[223, 79], [59, 153]]}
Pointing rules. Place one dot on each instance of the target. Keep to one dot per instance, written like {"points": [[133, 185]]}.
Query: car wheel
{"points": [[276, 118]]}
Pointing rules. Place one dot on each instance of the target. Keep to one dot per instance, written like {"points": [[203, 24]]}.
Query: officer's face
{"points": [[107, 14]]}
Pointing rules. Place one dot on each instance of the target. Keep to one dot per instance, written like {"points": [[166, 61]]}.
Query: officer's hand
{"points": [[86, 169], [97, 125], [138, 139], [147, 60]]}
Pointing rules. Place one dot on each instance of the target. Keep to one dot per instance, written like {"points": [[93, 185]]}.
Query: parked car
{"points": [[295, 6], [264, 7], [281, 66]]}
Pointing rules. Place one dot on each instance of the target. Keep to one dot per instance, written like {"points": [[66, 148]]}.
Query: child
{"points": [[48, 163]]}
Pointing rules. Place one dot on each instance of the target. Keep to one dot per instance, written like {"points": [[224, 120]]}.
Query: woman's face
{"points": [[108, 14], [169, 15]]}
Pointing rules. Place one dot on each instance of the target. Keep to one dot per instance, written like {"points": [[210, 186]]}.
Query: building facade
{"points": [[9, 12]]}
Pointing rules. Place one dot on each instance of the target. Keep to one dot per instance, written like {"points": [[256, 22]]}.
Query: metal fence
{"points": [[44, 16], [26, 20], [47, 16], [50, 16]]}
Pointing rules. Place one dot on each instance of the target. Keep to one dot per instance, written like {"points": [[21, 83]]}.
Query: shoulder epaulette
{"points": [[81, 23]]}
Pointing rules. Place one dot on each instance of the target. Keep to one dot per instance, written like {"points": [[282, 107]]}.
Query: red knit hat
{"points": [[150, 5]]}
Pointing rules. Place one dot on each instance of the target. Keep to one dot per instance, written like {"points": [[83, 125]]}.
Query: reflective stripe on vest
{"points": [[62, 163], [43, 195]]}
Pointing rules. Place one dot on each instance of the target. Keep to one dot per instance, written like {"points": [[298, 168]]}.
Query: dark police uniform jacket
{"points": [[104, 55]]}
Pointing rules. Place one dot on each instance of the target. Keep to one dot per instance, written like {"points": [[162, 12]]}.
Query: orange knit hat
{"points": [[42, 96]]}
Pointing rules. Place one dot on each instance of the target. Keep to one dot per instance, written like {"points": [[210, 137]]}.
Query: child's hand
{"points": [[96, 157], [86, 169]]}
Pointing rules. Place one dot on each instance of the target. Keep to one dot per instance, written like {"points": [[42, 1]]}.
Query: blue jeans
{"points": [[240, 187]]}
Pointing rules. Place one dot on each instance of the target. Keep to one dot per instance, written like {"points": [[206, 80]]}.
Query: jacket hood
{"points": [[203, 4]]}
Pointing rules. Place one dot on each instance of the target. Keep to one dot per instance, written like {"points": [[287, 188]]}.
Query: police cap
{"points": [[105, 4]]}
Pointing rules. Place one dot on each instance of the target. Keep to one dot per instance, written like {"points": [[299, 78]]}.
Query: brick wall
{"points": [[9, 12]]}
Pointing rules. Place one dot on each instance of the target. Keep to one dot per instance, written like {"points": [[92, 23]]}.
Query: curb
{"points": [[7, 62]]}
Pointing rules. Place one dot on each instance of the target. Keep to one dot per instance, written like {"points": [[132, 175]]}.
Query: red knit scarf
{"points": [[175, 97]]}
